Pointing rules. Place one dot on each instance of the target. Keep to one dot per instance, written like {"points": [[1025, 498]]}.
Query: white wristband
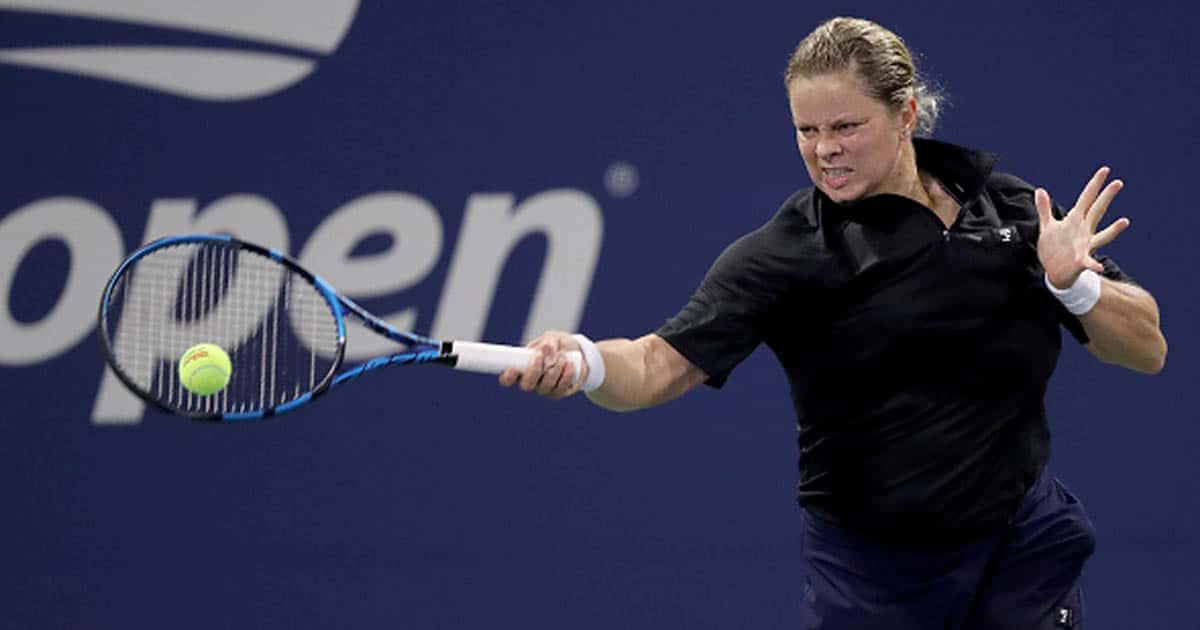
{"points": [[595, 363], [1080, 297]]}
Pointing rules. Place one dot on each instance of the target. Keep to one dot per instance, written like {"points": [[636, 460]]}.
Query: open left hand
{"points": [[1065, 246]]}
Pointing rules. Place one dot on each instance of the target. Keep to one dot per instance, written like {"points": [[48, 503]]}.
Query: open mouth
{"points": [[836, 177]]}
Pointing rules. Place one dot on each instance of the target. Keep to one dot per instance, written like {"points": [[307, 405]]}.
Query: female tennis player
{"points": [[914, 297]]}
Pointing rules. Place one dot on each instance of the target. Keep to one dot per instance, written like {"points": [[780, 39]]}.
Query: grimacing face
{"points": [[852, 143]]}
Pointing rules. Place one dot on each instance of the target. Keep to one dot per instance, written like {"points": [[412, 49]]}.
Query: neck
{"points": [[907, 180]]}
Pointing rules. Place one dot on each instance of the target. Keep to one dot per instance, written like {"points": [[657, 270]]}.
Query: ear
{"points": [[908, 116]]}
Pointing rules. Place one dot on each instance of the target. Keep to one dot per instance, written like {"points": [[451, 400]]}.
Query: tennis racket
{"points": [[282, 326]]}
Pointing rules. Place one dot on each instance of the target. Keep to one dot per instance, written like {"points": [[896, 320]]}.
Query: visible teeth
{"points": [[837, 172]]}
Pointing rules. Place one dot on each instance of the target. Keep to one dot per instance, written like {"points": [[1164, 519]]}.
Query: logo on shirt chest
{"points": [[1001, 236], [1004, 235]]}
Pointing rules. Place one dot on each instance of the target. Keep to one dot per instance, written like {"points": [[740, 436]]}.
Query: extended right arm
{"points": [[643, 373], [720, 326], [639, 373]]}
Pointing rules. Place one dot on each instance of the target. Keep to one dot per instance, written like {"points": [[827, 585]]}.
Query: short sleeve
{"points": [[723, 322]]}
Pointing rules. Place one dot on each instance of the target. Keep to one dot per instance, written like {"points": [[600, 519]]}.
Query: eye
{"points": [[846, 127], [806, 131]]}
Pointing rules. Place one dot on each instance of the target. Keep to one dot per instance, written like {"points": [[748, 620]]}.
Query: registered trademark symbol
{"points": [[621, 179]]}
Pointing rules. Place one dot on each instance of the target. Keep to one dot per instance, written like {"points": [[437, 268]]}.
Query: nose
{"points": [[828, 147]]}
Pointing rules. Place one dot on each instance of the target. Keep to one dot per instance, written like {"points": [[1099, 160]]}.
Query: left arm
{"points": [[1123, 323], [1123, 327]]}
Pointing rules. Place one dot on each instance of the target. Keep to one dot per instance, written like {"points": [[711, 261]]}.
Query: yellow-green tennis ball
{"points": [[204, 369]]}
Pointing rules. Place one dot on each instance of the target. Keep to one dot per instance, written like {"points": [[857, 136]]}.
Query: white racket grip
{"points": [[490, 358]]}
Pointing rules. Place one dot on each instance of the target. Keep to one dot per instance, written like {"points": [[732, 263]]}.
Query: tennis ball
{"points": [[204, 369]]}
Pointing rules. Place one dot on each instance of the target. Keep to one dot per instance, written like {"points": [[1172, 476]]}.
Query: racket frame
{"points": [[332, 299], [483, 357]]}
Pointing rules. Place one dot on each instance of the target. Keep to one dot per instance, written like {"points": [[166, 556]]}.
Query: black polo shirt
{"points": [[917, 356]]}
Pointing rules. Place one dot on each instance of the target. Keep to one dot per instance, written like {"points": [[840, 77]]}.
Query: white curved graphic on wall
{"points": [[221, 74], [202, 73]]}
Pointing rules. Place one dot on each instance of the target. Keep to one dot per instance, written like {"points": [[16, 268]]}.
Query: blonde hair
{"points": [[877, 56]]}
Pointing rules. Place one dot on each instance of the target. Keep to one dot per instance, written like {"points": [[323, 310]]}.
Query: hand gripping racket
{"points": [[281, 325]]}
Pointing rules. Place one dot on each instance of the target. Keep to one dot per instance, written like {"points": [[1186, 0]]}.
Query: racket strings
{"points": [[278, 329]]}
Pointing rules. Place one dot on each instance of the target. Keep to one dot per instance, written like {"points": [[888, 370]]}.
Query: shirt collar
{"points": [[963, 171]]}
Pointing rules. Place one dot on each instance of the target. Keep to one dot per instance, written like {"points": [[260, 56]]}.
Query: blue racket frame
{"points": [[430, 350]]}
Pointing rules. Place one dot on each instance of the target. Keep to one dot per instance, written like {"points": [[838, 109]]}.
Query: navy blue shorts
{"points": [[1025, 577]]}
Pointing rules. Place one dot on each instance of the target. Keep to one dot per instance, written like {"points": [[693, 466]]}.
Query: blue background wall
{"points": [[430, 499]]}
